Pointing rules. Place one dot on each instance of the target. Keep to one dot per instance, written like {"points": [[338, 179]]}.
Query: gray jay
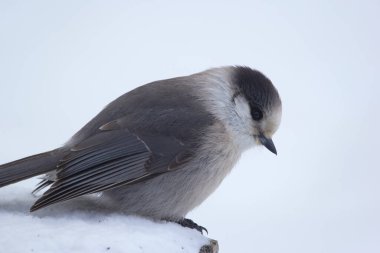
{"points": [[161, 149]]}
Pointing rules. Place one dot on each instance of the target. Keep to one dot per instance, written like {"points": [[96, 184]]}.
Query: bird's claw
{"points": [[188, 223]]}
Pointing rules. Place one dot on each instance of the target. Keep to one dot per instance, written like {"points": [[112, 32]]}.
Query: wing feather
{"points": [[106, 163]]}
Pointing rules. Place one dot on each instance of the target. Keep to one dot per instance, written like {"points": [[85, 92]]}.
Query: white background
{"points": [[62, 62]]}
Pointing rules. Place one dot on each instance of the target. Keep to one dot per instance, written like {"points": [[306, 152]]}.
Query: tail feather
{"points": [[29, 167]]}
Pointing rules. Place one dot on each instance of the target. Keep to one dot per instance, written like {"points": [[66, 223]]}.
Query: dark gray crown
{"points": [[256, 88]]}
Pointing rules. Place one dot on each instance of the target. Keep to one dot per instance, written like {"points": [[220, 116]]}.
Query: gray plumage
{"points": [[161, 149]]}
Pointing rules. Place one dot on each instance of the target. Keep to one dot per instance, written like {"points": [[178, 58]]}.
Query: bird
{"points": [[160, 150]]}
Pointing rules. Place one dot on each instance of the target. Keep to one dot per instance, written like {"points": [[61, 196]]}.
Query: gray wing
{"points": [[110, 159], [114, 157]]}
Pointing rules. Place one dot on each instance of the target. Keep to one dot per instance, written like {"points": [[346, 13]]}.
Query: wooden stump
{"points": [[212, 247]]}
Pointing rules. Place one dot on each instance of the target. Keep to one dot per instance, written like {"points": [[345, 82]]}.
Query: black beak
{"points": [[268, 143]]}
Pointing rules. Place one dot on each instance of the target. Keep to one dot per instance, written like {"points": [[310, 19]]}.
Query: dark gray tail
{"points": [[29, 167]]}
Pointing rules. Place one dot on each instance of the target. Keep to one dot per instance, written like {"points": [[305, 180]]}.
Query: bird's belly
{"points": [[172, 195]]}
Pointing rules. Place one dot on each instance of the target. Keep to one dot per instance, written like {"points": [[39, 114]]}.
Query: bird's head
{"points": [[257, 104]]}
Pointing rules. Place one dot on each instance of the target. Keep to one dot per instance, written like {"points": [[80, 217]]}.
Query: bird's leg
{"points": [[191, 224]]}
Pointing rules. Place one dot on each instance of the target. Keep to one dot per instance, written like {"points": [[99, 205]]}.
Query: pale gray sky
{"points": [[62, 62]]}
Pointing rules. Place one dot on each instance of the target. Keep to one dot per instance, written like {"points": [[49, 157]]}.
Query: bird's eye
{"points": [[257, 114]]}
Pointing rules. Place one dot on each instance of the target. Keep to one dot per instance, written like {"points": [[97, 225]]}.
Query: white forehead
{"points": [[272, 121]]}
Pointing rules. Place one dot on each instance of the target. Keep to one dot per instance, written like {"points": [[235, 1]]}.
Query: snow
{"points": [[64, 228]]}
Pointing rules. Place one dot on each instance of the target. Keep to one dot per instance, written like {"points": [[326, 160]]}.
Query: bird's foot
{"points": [[187, 223]]}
